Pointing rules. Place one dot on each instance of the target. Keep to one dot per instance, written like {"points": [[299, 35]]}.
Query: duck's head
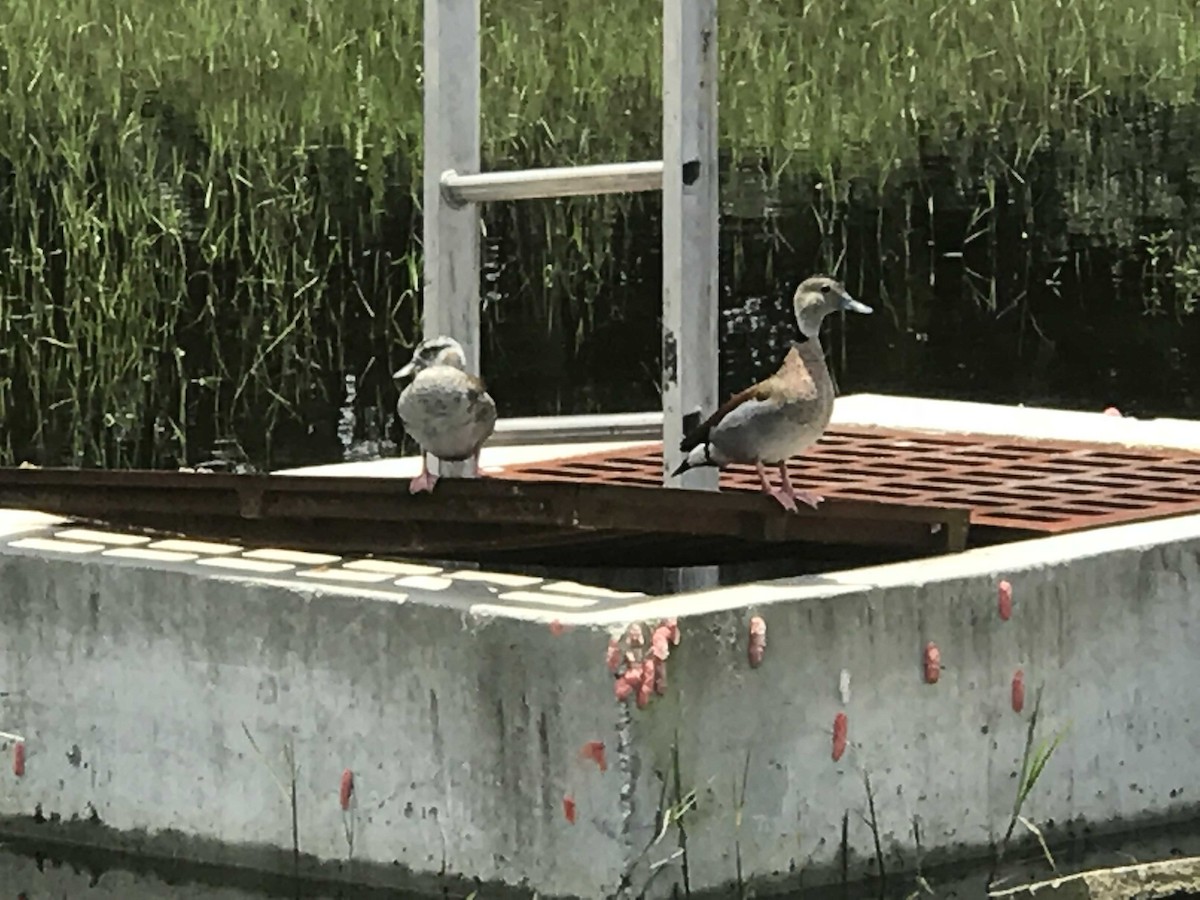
{"points": [[819, 296], [435, 351]]}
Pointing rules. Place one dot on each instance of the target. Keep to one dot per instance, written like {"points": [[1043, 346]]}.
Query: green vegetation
{"points": [[209, 208]]}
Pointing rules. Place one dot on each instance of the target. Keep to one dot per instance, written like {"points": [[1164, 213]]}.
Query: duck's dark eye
{"points": [[824, 289]]}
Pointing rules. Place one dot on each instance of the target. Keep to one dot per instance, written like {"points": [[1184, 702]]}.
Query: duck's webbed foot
{"points": [[805, 497], [785, 500], [785, 497], [424, 482]]}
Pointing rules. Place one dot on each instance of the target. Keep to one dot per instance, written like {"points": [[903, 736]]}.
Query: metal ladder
{"points": [[687, 176]]}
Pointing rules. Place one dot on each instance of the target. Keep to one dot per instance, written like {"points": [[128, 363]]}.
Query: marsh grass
{"points": [[1035, 755], [211, 209]]}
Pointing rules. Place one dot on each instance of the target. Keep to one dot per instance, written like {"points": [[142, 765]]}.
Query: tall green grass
{"points": [[210, 209]]}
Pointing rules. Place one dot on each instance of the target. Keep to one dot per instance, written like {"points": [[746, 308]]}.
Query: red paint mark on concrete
{"points": [[933, 663], [594, 750], [758, 641], [346, 789], [19, 758], [660, 679], [1112, 411], [613, 657], [557, 628], [569, 808], [1004, 600], [1018, 690], [841, 726], [623, 690]]}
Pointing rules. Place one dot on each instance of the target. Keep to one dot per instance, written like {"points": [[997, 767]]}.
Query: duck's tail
{"points": [[698, 457]]}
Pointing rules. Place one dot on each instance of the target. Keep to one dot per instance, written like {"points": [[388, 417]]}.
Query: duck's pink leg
{"points": [[784, 497], [479, 473], [808, 499], [426, 480]]}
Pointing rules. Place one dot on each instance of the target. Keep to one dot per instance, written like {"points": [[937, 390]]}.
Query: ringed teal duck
{"points": [[783, 415], [447, 410]]}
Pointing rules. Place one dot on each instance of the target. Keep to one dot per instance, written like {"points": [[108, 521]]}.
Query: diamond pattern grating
{"points": [[1006, 482]]}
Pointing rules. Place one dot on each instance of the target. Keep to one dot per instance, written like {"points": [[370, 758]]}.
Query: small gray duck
{"points": [[447, 410], [783, 415]]}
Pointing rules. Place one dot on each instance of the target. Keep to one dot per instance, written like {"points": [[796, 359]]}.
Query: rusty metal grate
{"points": [[1006, 482]]}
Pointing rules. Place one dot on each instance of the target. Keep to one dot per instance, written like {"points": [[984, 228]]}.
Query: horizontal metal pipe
{"points": [[566, 181], [643, 426]]}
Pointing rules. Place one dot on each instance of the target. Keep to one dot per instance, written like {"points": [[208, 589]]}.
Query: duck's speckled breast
{"points": [[446, 412]]}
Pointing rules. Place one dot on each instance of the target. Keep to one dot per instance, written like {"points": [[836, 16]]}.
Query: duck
{"points": [[783, 415], [447, 410]]}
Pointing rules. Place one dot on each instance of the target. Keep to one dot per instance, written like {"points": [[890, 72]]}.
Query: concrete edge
{"points": [[1002, 560], [596, 607]]}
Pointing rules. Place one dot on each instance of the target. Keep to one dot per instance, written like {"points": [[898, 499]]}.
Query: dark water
{"points": [[1069, 283], [1062, 275], [28, 877], [28, 874]]}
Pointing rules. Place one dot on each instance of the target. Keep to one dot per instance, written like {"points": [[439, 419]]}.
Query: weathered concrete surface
{"points": [[1104, 620], [135, 688], [462, 714], [1148, 881]]}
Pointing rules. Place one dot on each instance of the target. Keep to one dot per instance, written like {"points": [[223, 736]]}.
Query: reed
{"points": [[211, 209]]}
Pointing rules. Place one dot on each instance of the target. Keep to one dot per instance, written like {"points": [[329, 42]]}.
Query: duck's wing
{"points": [[789, 381], [760, 393]]}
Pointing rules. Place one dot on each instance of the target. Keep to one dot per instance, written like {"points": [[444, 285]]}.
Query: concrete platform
{"points": [[207, 701]]}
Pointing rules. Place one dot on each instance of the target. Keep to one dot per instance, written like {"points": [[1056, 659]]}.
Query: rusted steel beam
{"points": [[354, 511]]}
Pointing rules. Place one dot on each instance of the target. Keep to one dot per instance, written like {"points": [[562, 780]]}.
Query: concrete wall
{"points": [[131, 686], [1107, 622], [463, 718]]}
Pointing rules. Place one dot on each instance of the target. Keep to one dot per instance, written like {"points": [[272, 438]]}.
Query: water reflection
{"points": [[33, 876]]}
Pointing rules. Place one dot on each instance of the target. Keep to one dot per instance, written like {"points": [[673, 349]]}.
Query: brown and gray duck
{"points": [[785, 414]]}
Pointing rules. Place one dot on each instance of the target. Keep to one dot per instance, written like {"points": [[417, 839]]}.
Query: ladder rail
{"points": [[454, 188], [541, 184]]}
